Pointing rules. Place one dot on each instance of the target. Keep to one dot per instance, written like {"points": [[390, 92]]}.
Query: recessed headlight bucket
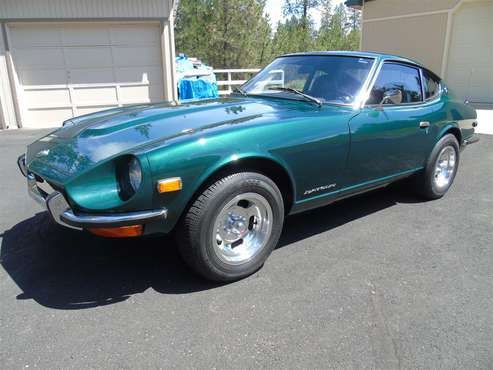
{"points": [[134, 174], [129, 175]]}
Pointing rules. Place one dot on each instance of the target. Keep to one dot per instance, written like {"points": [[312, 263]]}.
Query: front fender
{"points": [[196, 162], [234, 159]]}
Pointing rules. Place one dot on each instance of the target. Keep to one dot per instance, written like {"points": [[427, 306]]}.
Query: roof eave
{"points": [[355, 4]]}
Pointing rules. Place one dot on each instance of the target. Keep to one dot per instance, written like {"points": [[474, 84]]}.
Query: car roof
{"points": [[358, 54]]}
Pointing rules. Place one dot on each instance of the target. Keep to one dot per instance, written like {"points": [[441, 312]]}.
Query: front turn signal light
{"points": [[169, 185], [117, 232]]}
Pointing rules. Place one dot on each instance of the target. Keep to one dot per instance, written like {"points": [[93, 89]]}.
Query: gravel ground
{"points": [[381, 281]]}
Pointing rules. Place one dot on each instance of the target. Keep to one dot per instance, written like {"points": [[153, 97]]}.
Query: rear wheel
{"points": [[232, 227], [441, 168]]}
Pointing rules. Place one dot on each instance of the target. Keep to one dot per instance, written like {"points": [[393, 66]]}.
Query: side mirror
{"points": [[393, 96]]}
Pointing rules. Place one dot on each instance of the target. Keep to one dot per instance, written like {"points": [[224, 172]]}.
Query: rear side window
{"points": [[432, 85], [397, 76]]}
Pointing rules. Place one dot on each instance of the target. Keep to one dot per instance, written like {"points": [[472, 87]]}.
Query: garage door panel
{"points": [[47, 98], [96, 65], [464, 66], [91, 75], [92, 109], [134, 35], [136, 56], [470, 62], [40, 118], [138, 74], [95, 96], [27, 36], [482, 81], [88, 57], [81, 35], [136, 94], [39, 58], [29, 77], [464, 35]]}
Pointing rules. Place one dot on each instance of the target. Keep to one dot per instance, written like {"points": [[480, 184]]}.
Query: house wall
{"points": [[65, 9], [391, 8], [404, 36], [416, 29], [451, 37], [14, 12]]}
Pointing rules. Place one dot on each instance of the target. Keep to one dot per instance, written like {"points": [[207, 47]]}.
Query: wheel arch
{"points": [[450, 129], [266, 165]]}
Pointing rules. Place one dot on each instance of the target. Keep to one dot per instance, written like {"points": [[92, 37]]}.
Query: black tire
{"points": [[195, 232], [425, 183]]}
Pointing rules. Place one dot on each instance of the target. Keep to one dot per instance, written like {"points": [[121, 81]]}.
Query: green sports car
{"points": [[222, 174]]}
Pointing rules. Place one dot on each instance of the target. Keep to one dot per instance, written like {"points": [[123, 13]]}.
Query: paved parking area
{"points": [[381, 281]]}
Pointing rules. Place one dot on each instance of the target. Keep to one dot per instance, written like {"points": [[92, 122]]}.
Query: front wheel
{"points": [[441, 168], [232, 227]]}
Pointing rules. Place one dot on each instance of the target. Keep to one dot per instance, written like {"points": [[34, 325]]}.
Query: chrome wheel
{"points": [[242, 228], [445, 167]]}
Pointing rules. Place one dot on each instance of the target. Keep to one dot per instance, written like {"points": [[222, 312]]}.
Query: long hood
{"points": [[85, 141]]}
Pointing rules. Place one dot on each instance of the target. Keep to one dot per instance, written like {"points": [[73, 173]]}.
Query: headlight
{"points": [[129, 176], [134, 174]]}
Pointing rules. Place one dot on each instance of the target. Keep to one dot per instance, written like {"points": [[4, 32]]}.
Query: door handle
{"points": [[424, 124]]}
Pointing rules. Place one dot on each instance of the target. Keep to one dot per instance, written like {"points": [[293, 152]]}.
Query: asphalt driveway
{"points": [[380, 281]]}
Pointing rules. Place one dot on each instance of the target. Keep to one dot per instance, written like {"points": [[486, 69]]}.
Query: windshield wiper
{"points": [[300, 93], [240, 91]]}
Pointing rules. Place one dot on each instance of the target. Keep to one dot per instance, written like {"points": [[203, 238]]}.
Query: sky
{"points": [[274, 9]]}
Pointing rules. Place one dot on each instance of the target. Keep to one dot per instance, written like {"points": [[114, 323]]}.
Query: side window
{"points": [[397, 76], [432, 85]]}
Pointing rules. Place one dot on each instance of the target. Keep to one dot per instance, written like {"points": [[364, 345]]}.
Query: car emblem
{"points": [[320, 188], [43, 153]]}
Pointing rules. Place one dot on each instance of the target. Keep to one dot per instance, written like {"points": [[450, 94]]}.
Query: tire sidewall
{"points": [[246, 183], [447, 140]]}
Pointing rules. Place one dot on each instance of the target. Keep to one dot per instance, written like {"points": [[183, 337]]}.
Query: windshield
{"points": [[330, 79]]}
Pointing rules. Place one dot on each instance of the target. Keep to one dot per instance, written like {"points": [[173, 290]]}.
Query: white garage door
{"points": [[470, 63], [70, 69]]}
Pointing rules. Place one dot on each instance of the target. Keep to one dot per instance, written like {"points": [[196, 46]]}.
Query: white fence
{"points": [[230, 82]]}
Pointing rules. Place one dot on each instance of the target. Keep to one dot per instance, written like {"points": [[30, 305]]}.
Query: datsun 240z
{"points": [[222, 174]]}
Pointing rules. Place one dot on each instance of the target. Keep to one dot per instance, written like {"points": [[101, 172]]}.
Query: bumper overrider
{"points": [[110, 224]]}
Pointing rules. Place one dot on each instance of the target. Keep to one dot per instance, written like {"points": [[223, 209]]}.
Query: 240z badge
{"points": [[320, 188]]}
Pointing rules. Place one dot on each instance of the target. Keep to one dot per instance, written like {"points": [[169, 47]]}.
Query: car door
{"points": [[389, 139]]}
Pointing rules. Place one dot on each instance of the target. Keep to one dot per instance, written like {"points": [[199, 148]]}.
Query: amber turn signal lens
{"points": [[169, 185], [118, 232]]}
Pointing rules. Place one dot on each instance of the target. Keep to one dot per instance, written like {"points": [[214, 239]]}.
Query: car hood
{"points": [[87, 140]]}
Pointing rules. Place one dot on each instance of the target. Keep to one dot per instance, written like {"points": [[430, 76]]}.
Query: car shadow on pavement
{"points": [[66, 269], [319, 220]]}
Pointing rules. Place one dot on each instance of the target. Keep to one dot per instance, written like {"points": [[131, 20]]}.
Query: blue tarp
{"points": [[197, 89], [195, 81]]}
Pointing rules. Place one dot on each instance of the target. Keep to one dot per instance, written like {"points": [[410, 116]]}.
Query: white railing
{"points": [[230, 82]]}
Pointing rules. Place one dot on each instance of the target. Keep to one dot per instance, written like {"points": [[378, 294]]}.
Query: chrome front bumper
{"points": [[61, 212]]}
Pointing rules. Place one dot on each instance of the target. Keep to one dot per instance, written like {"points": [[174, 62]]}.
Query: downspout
{"points": [[172, 53], [362, 25], [10, 102], [168, 56]]}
